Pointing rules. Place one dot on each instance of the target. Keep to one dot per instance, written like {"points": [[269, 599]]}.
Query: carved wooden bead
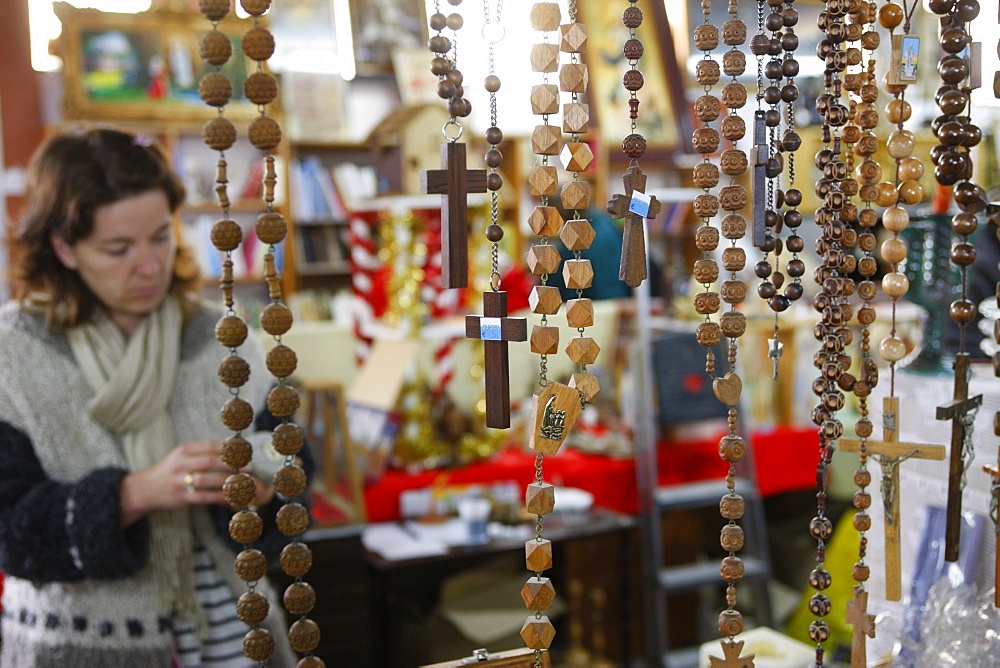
{"points": [[287, 438], [633, 80], [705, 175], [860, 572], [234, 371], [276, 319], [634, 146], [734, 226], [706, 37], [706, 206], [299, 598], [283, 401], [245, 527], [264, 133], [271, 227], [733, 162], [214, 10], [252, 608], [732, 198], [708, 333], [733, 323], [258, 44], [538, 593], [707, 108], [707, 238], [226, 235], [706, 303], [705, 140], [632, 17], [250, 565], [733, 292], [258, 644], [707, 72], [255, 7], [706, 271], [231, 331], [237, 414], [733, 128], [296, 559], [292, 519], [214, 89], [732, 538], [732, 506], [862, 500], [261, 88], [304, 635], [734, 95], [290, 481], [219, 134], [819, 605], [236, 452], [239, 490], [281, 361], [734, 63], [734, 32], [538, 632], [732, 448], [732, 569], [819, 630], [821, 528], [730, 623]]}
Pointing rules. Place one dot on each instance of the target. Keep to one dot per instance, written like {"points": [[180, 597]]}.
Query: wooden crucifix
{"points": [[496, 329], [761, 155], [994, 471], [890, 453], [961, 411], [732, 659], [633, 206], [864, 626], [454, 183]]}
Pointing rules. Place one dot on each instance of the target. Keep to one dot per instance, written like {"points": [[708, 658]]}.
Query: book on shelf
{"points": [[316, 196]]}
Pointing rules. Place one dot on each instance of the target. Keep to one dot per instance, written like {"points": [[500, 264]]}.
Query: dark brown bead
{"points": [[494, 233], [634, 145], [632, 17], [633, 49], [953, 69], [494, 181], [962, 311]]}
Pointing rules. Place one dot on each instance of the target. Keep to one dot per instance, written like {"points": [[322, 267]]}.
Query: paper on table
{"points": [[393, 542]]}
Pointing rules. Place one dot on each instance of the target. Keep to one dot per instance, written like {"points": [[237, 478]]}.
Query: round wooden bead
{"points": [[299, 598], [901, 144], [255, 7], [258, 44], [887, 194], [287, 438], [231, 331], [215, 48], [214, 89], [862, 500], [245, 527], [964, 224], [819, 605], [730, 623], [283, 401], [820, 579], [632, 17], [237, 414], [962, 311], [896, 219], [226, 235], [634, 146], [819, 630], [895, 284], [293, 519], [894, 250], [271, 227], [276, 319], [632, 49], [290, 481], [860, 573], [732, 538], [296, 559], [310, 662], [892, 349], [862, 478], [898, 111], [250, 565], [281, 361], [239, 489], [234, 371], [890, 15], [820, 528], [261, 88], [963, 254], [304, 635], [264, 133], [219, 134], [633, 80], [732, 506], [236, 452], [910, 169], [732, 569], [258, 645], [252, 608], [213, 10]]}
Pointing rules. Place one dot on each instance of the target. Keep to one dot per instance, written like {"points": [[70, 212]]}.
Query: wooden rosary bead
{"points": [[219, 134], [634, 146], [860, 572], [734, 226], [538, 632], [733, 162], [706, 175], [538, 593], [296, 559], [544, 340], [894, 250], [583, 350], [576, 156], [819, 631], [214, 89], [271, 227], [237, 414], [707, 108], [586, 384], [539, 498], [734, 63], [544, 57], [290, 481], [734, 259], [577, 234], [545, 221], [708, 333], [239, 490], [250, 565], [962, 311], [236, 452], [544, 299], [283, 401], [734, 95], [234, 371], [258, 44], [258, 644], [543, 259], [252, 608], [706, 238], [733, 198], [706, 271], [575, 195], [632, 80], [732, 449], [734, 128], [732, 506], [214, 10], [707, 73], [733, 292], [264, 133], [226, 235], [292, 519], [255, 7], [538, 555], [733, 323], [543, 181], [287, 438], [895, 284], [707, 303], [730, 623], [963, 254], [819, 605], [632, 17], [576, 117], [246, 527], [299, 598], [862, 500], [304, 635], [276, 319], [580, 313], [573, 38], [705, 140], [706, 206], [732, 569], [892, 349], [732, 538], [261, 88], [706, 37], [281, 361]]}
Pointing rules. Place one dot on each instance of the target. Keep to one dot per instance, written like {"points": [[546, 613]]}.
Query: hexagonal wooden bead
{"points": [[543, 259], [546, 140], [544, 340], [576, 156], [577, 234], [544, 57], [576, 117], [573, 37], [544, 299], [586, 384], [538, 633], [543, 180], [573, 78], [545, 16], [578, 274], [538, 593], [580, 313], [545, 221], [540, 498], [544, 99], [576, 195], [583, 350], [538, 555]]}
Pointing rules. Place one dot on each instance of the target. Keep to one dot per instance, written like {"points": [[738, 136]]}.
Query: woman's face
{"points": [[128, 258]]}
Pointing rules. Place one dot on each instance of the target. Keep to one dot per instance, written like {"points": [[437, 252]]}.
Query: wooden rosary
{"points": [[993, 470], [237, 414]]}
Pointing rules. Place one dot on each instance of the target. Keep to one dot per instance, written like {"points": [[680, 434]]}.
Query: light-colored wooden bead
{"points": [[901, 144], [545, 16], [538, 593], [898, 111], [573, 37], [538, 633], [545, 221], [892, 349], [540, 498], [578, 274], [583, 350], [577, 234], [543, 259], [586, 384], [544, 99], [544, 340], [576, 117], [546, 140], [896, 219], [895, 284], [894, 250], [911, 192], [576, 195], [576, 156], [544, 299], [544, 57], [538, 555], [910, 169], [887, 194], [574, 78], [580, 313], [543, 180]]}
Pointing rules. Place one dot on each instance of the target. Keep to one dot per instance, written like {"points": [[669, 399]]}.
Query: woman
{"points": [[112, 520]]}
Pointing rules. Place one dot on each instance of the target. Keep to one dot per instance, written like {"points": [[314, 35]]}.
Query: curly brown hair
{"points": [[70, 176]]}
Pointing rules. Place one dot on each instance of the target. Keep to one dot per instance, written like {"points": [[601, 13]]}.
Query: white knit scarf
{"points": [[133, 381]]}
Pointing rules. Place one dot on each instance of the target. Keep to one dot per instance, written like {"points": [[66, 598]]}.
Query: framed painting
{"points": [[379, 28], [143, 67], [664, 119]]}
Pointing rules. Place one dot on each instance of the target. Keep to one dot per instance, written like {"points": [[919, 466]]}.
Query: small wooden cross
{"points": [[994, 472], [958, 411], [732, 659], [454, 183], [633, 206], [864, 625], [496, 329], [891, 453], [760, 157]]}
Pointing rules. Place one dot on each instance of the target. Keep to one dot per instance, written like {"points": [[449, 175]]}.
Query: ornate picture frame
{"points": [[381, 27]]}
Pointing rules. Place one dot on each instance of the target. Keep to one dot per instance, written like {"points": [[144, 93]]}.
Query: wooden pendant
{"points": [[454, 183], [891, 453], [496, 329], [731, 649], [633, 206], [864, 626], [956, 411], [554, 410], [905, 59]]}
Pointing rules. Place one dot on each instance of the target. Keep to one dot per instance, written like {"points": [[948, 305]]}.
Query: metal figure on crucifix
{"points": [[633, 206]]}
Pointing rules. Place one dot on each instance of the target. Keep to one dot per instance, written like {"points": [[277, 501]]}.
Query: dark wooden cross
{"points": [[454, 183], [761, 155], [496, 329], [633, 206], [958, 411], [994, 471], [890, 454], [732, 659], [864, 626]]}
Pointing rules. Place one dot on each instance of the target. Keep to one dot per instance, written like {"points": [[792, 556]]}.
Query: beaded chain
{"points": [[443, 65], [237, 414]]}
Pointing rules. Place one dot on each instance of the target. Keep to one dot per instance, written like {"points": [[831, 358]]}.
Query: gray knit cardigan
{"points": [[78, 590]]}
